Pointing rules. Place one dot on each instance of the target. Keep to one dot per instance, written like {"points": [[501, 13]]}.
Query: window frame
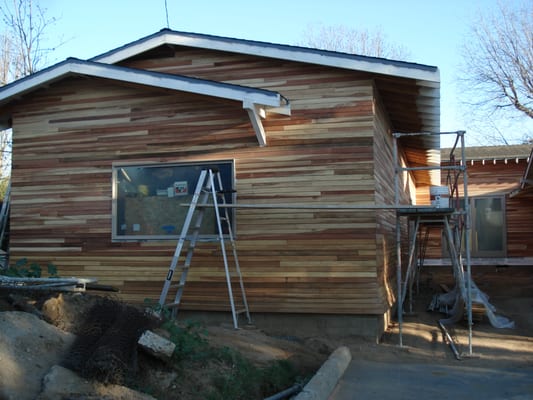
{"points": [[476, 252], [474, 243], [116, 237]]}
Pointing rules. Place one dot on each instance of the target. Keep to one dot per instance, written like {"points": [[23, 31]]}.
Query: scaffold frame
{"points": [[438, 216]]}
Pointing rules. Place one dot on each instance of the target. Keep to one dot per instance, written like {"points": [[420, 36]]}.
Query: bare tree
{"points": [[498, 60], [6, 49], [349, 40], [21, 52], [26, 23]]}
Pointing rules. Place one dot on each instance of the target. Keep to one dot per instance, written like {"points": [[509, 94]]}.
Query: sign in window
{"points": [[148, 200]]}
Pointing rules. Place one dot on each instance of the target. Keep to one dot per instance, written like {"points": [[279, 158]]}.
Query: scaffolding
{"points": [[453, 220]]}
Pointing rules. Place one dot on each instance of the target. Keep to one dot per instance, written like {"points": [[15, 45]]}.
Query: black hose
{"points": [[285, 393]]}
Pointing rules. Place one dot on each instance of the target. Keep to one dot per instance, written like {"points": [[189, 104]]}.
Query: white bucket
{"points": [[439, 196]]}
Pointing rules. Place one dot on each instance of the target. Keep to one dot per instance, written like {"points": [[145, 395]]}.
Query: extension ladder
{"points": [[206, 189]]}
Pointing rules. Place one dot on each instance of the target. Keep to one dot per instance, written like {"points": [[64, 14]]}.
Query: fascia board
{"points": [[284, 52], [165, 81]]}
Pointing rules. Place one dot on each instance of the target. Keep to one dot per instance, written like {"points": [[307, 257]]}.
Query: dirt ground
{"points": [[510, 290]]}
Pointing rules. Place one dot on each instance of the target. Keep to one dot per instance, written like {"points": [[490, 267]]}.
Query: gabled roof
{"points": [[410, 91], [272, 50], [253, 100]]}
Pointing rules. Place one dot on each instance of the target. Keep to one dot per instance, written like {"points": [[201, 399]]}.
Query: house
{"points": [[105, 151], [501, 207]]}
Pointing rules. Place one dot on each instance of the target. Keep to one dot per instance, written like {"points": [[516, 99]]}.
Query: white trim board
{"points": [[278, 51]]}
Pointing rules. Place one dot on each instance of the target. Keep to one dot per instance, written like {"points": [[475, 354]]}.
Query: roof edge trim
{"points": [[280, 51], [74, 66]]}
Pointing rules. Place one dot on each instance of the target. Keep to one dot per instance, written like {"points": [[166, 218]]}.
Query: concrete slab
{"points": [[371, 380]]}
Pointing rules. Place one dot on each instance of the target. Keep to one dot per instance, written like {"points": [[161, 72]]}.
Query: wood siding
{"points": [[499, 178], [384, 172], [519, 211], [68, 136]]}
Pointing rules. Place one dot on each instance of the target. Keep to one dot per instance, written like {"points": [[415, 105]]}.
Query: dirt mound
{"points": [[210, 361], [60, 382], [106, 345], [29, 347]]}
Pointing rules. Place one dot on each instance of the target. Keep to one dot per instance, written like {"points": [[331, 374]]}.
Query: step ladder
{"points": [[206, 191]]}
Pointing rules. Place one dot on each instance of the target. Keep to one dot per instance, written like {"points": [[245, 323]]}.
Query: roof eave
{"points": [[427, 78], [278, 51], [251, 98]]}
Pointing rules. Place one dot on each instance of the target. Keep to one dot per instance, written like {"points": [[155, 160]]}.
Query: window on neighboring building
{"points": [[148, 199], [488, 227]]}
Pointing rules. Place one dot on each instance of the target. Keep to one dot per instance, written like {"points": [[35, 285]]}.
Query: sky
{"points": [[433, 32]]}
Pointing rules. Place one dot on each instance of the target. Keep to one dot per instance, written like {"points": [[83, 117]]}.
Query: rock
{"points": [[62, 383], [29, 347], [156, 345]]}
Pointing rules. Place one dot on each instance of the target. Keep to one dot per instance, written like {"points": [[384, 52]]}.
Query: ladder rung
{"points": [[177, 286], [172, 305], [240, 311]]}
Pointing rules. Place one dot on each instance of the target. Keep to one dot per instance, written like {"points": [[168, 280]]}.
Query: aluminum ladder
{"points": [[206, 190]]}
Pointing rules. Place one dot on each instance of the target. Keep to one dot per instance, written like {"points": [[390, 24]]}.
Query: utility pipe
{"points": [[450, 341], [286, 393]]}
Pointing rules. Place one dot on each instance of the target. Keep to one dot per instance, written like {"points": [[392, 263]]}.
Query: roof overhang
{"points": [[423, 79], [410, 91], [271, 50], [255, 101]]}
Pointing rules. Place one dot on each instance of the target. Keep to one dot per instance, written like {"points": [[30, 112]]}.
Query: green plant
{"points": [[236, 377], [279, 375], [243, 380], [190, 337], [23, 269]]}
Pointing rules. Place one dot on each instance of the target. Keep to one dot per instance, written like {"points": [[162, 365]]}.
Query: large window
{"points": [[488, 227], [148, 199]]}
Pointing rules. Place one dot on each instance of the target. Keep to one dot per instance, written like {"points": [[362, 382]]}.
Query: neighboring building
{"points": [[501, 204], [97, 144]]}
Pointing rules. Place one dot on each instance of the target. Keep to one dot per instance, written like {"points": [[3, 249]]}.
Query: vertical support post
{"points": [[399, 295], [467, 244], [223, 249], [411, 262]]}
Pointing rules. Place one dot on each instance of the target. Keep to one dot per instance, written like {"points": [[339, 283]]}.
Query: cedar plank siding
{"points": [[500, 178], [384, 171], [519, 212], [308, 261]]}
